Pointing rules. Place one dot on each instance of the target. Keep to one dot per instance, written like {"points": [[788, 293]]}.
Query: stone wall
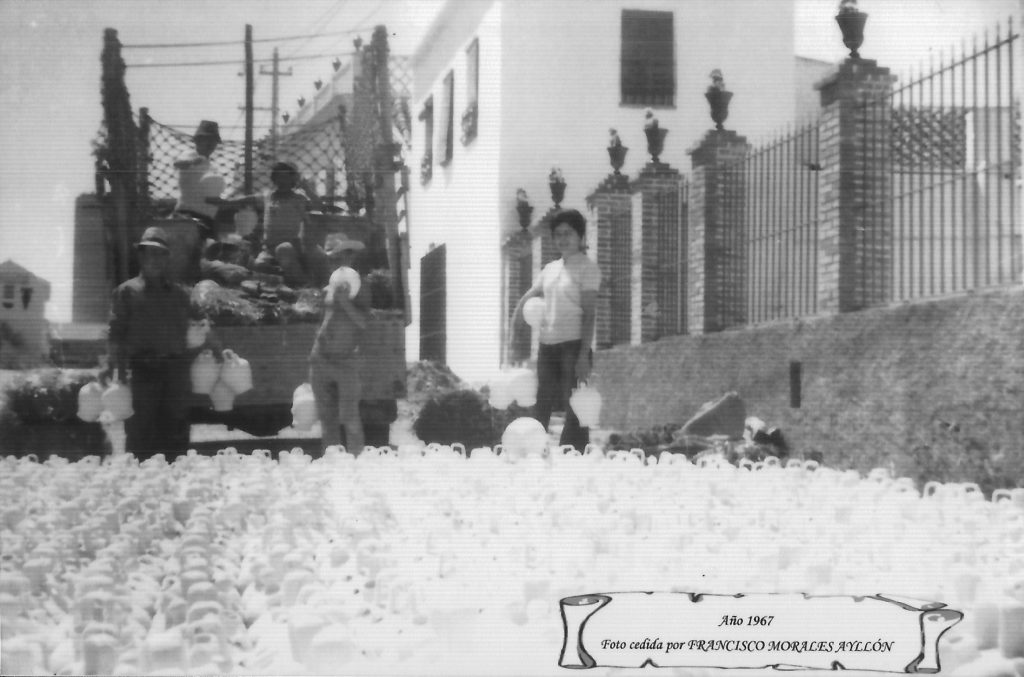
{"points": [[874, 382]]}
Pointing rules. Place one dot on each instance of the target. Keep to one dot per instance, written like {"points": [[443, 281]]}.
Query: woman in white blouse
{"points": [[568, 286]]}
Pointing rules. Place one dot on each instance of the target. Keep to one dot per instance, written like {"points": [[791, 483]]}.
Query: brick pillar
{"points": [[717, 253], [855, 227], [658, 186], [610, 216], [548, 251]]}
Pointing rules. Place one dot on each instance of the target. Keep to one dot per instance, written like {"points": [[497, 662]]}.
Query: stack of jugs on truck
{"points": [[222, 380]]}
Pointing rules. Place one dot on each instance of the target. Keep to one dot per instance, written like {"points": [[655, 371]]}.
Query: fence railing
{"points": [[780, 225], [954, 154]]}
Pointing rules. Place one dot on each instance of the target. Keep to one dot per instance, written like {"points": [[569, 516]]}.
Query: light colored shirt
{"points": [[191, 195], [283, 216], [563, 282]]}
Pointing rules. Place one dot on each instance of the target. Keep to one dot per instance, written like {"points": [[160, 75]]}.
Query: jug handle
{"points": [[1000, 494]]}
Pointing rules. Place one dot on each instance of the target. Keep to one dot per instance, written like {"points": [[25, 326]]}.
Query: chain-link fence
{"points": [[316, 150]]}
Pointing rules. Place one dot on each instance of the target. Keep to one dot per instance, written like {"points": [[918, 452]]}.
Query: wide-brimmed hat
{"points": [[154, 237], [337, 244], [207, 128]]}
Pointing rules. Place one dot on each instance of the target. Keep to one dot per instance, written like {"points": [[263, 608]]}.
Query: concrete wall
{"points": [[874, 381], [92, 284]]}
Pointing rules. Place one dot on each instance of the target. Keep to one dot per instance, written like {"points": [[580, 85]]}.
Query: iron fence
{"points": [[953, 156], [776, 225]]}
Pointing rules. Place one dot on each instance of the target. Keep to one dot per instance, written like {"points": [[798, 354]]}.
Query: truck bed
{"points": [[278, 355]]}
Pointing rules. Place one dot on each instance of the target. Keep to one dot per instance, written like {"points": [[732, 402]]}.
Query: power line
{"points": [[232, 62], [320, 23], [226, 43]]}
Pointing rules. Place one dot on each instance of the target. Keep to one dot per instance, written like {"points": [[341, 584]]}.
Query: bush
{"points": [[39, 416], [464, 416], [427, 379]]}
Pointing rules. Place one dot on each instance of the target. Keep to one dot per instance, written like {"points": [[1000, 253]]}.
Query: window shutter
{"points": [[445, 138], [647, 75]]}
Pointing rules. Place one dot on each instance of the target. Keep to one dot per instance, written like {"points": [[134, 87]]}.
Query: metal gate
{"points": [[433, 306]]}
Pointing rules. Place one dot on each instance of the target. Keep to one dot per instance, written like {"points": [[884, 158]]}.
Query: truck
{"points": [[277, 351]]}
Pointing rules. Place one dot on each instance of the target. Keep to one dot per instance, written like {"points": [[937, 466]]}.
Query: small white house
{"points": [[503, 90], [24, 330]]}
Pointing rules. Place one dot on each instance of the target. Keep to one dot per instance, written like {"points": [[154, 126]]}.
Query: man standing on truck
{"points": [[334, 362], [148, 323], [197, 179]]}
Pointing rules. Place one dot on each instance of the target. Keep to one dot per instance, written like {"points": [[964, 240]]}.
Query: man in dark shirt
{"points": [[148, 323], [334, 362]]}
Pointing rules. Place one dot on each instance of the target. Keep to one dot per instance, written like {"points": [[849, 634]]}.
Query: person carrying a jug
{"points": [[334, 361], [149, 320]]}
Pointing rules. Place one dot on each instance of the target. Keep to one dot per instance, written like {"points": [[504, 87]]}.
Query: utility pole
{"points": [[248, 110], [275, 73]]}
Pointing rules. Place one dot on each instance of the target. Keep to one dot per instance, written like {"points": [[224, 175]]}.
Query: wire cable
{"points": [[232, 62], [320, 23], [227, 43]]}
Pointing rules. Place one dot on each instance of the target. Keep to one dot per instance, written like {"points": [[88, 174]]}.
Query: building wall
{"points": [[809, 72], [549, 92], [26, 320], [91, 282], [459, 206], [560, 115]]}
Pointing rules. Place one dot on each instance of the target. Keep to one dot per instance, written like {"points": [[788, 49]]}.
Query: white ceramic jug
{"points": [[117, 400], [586, 403], [533, 312], [524, 436], [222, 396], [205, 372], [90, 401], [303, 408], [236, 372], [523, 387]]}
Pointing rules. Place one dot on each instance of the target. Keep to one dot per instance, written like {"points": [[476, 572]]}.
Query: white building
{"points": [[24, 331], [548, 80]]}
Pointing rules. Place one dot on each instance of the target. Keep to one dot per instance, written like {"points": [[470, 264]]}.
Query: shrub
{"points": [[39, 416], [427, 379], [463, 416]]}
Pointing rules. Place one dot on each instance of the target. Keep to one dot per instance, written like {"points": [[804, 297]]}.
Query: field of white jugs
{"points": [[441, 561]]}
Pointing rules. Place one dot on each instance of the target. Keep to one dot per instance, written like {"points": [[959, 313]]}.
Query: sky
{"points": [[50, 73]]}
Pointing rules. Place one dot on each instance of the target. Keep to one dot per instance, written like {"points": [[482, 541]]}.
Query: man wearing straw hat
{"points": [[334, 362], [196, 180], [148, 324]]}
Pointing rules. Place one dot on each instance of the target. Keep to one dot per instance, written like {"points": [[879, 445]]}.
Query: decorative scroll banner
{"points": [[787, 631]]}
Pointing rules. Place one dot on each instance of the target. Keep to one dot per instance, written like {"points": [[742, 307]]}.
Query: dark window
{"points": [[427, 163], [469, 116], [795, 383], [445, 143], [433, 305], [648, 76]]}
